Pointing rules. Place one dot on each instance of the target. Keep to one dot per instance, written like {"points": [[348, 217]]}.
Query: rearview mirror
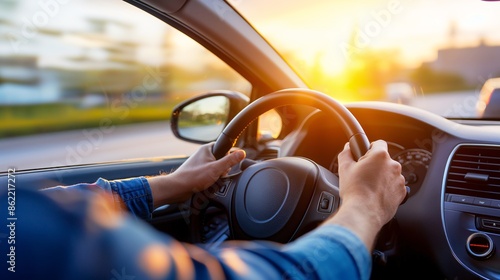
{"points": [[202, 119]]}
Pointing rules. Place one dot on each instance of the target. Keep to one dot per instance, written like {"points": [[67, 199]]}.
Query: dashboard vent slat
{"points": [[475, 171]]}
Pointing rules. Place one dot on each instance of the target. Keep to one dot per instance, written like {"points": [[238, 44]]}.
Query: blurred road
{"points": [[92, 145], [461, 104], [154, 139]]}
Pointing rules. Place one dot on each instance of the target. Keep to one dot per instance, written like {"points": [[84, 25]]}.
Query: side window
{"points": [[81, 84]]}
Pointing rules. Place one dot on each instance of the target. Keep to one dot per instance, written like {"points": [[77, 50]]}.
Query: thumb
{"points": [[230, 160]]}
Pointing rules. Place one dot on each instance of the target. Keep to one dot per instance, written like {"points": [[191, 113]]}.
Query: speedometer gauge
{"points": [[414, 163]]}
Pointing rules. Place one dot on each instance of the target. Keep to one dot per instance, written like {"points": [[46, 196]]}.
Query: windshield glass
{"points": [[428, 54]]}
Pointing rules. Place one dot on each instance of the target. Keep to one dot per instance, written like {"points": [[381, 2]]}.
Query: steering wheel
{"points": [[283, 198]]}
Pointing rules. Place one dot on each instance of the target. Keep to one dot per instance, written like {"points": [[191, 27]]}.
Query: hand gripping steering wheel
{"points": [[283, 198]]}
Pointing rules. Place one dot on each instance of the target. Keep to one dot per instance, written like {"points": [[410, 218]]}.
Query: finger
{"points": [[345, 157], [378, 145], [346, 152]]}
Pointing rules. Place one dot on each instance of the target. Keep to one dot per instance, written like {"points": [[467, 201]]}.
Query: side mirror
{"points": [[201, 119]]}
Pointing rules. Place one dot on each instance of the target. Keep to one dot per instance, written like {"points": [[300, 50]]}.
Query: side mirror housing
{"points": [[201, 119]]}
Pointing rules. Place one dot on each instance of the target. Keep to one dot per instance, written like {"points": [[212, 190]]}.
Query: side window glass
{"points": [[85, 82]]}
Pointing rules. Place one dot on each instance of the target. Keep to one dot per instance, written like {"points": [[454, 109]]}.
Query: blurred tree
{"points": [[430, 80], [369, 70]]}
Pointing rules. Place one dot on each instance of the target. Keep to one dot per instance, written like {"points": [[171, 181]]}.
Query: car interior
{"points": [[448, 227]]}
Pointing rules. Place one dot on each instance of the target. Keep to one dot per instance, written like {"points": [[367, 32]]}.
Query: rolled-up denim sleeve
{"points": [[132, 194], [135, 194]]}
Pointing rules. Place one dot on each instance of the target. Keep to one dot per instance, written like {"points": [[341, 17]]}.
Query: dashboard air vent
{"points": [[475, 171]]}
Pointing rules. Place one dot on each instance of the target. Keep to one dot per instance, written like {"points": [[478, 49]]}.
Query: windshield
{"points": [[436, 55]]}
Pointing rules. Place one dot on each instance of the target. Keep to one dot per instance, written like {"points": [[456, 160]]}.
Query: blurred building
{"points": [[474, 64], [58, 65], [22, 82]]}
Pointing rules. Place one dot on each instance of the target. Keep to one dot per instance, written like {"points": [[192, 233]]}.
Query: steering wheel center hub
{"points": [[265, 194], [270, 193]]}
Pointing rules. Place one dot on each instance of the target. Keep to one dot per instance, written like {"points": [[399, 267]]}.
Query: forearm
{"points": [[371, 189], [167, 189], [133, 194], [358, 219]]}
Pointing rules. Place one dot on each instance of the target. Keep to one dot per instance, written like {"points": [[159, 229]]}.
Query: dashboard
{"points": [[450, 225], [409, 142]]}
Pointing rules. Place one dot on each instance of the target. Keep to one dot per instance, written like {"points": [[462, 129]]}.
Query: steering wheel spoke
{"points": [[283, 198], [325, 202], [219, 195]]}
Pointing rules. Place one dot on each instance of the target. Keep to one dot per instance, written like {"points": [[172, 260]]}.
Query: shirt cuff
{"points": [[134, 194]]}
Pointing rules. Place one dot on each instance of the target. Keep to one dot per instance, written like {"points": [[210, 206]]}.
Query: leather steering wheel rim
{"points": [[358, 140]]}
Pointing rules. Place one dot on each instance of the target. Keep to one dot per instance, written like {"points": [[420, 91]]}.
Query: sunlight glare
{"points": [[155, 260], [233, 260]]}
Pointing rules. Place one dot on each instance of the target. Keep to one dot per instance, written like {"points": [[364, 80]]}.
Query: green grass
{"points": [[33, 119]]}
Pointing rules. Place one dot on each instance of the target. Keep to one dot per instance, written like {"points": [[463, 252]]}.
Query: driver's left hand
{"points": [[196, 174]]}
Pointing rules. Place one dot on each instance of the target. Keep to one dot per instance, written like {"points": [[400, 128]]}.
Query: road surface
{"points": [[460, 104], [92, 145]]}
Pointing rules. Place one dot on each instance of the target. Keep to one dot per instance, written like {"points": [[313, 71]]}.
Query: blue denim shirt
{"points": [[76, 232]]}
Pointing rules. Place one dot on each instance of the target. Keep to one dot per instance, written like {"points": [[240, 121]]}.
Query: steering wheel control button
{"points": [[326, 201], [480, 246], [223, 187]]}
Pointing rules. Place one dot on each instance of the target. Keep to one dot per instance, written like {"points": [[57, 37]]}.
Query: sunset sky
{"points": [[308, 30], [415, 28]]}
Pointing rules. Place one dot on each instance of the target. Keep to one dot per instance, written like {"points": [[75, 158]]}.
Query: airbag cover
{"points": [[268, 195]]}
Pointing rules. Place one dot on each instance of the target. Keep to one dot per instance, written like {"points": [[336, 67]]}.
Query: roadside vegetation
{"points": [[41, 118]]}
